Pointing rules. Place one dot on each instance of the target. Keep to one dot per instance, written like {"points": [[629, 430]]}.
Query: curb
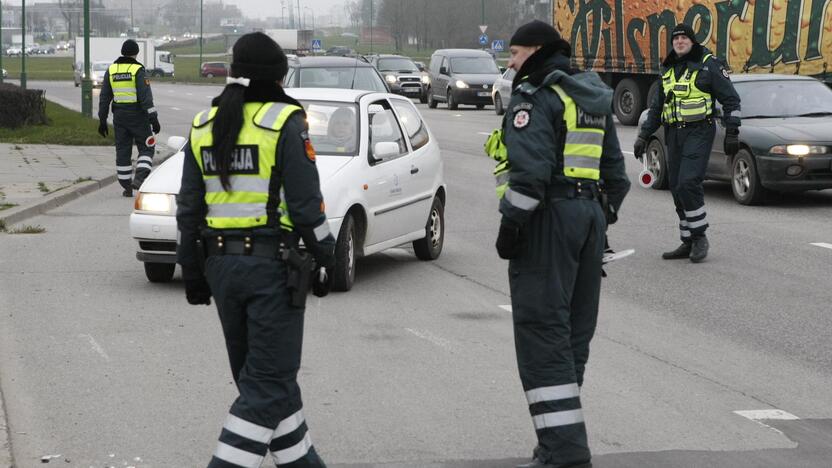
{"points": [[15, 215], [6, 459]]}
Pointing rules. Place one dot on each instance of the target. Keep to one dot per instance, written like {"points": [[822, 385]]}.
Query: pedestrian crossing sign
{"points": [[316, 44]]}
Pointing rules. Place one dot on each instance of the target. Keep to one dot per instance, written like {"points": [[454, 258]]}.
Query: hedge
{"points": [[19, 107]]}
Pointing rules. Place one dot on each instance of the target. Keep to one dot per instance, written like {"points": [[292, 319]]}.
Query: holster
{"points": [[300, 265], [609, 210], [200, 254]]}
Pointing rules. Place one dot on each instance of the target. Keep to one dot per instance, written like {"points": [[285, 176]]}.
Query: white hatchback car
{"points": [[381, 176]]}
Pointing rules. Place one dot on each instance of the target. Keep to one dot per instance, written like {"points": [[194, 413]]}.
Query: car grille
{"points": [[409, 79], [150, 246]]}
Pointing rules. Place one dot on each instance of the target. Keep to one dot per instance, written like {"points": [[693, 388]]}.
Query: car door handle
{"points": [[414, 170]]}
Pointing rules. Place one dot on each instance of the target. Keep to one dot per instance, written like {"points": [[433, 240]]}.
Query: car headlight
{"points": [[390, 78], [799, 150], [153, 202], [461, 84], [426, 79]]}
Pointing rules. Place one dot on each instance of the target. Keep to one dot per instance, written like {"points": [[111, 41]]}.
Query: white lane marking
{"points": [[428, 336], [483, 133], [96, 347], [210, 97], [189, 94], [507, 308], [175, 108], [628, 152], [756, 415], [457, 115], [822, 244]]}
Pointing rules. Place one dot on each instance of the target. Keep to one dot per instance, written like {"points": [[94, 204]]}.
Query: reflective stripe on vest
{"points": [[496, 150], [689, 103], [123, 82], [244, 205], [584, 141]]}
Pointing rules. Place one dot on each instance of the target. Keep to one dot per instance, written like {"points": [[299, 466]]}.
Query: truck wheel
{"points": [[628, 101], [657, 162], [159, 272]]}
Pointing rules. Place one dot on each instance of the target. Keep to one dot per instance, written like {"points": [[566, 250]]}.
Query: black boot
{"points": [[699, 249], [536, 463], [683, 251], [127, 193]]}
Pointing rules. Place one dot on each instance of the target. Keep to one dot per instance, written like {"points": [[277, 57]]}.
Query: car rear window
{"points": [[333, 127], [365, 78]]}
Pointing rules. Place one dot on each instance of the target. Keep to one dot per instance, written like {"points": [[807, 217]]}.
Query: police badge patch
{"points": [[521, 119]]}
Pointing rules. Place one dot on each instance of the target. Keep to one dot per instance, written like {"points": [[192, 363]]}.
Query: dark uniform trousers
{"points": [[131, 127], [264, 336], [555, 284], [688, 150]]}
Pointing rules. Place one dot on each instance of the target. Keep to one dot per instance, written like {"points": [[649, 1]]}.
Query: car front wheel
{"points": [[745, 181], [159, 272], [209, 75], [344, 275], [430, 246], [452, 105], [498, 105], [431, 100]]}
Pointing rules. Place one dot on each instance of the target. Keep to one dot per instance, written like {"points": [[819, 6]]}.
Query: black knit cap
{"points": [[536, 33], [259, 58], [683, 29], [130, 48]]}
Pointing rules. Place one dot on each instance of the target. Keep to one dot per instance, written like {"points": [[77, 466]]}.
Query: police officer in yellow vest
{"points": [[250, 191], [561, 140], [126, 86], [691, 79]]}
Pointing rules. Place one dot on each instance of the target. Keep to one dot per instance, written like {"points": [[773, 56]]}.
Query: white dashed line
{"points": [[189, 94], [822, 244], [484, 133], [428, 336], [507, 308], [175, 108], [457, 115], [628, 152], [757, 415], [96, 347]]}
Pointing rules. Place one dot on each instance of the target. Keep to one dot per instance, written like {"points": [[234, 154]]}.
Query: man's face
{"points": [[519, 54], [682, 44]]}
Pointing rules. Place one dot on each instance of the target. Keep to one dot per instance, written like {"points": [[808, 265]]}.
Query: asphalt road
{"points": [[415, 366]]}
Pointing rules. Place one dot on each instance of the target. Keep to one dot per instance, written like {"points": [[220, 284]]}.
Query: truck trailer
{"points": [[292, 41], [626, 42], [108, 49]]}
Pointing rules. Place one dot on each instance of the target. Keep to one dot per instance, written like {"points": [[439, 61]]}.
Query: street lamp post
{"points": [[86, 83], [199, 65], [1, 42], [371, 26], [23, 47]]}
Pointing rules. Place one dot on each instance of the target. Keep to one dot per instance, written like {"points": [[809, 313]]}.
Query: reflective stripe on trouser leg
{"points": [[124, 151], [291, 440], [242, 443], [696, 150]]}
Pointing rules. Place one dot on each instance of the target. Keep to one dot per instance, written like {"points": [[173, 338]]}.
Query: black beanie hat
{"points": [[536, 33], [259, 58], [129, 48], [683, 29]]}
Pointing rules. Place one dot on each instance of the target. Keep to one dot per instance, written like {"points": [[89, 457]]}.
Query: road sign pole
{"points": [[86, 83], [1, 42], [23, 47]]}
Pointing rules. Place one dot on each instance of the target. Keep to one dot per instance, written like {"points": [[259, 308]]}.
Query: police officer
{"points": [[561, 141], [126, 85], [250, 191], [692, 77]]}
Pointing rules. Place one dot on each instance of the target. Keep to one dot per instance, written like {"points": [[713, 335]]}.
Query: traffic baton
{"points": [[151, 140], [646, 178]]}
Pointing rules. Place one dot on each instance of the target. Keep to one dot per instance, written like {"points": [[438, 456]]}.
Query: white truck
{"points": [[108, 49], [292, 41]]}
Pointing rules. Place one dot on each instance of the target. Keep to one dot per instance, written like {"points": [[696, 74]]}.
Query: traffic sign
{"points": [[316, 44], [483, 39], [498, 45], [483, 27]]}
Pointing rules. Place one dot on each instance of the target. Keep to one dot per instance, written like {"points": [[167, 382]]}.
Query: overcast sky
{"points": [[259, 8]]}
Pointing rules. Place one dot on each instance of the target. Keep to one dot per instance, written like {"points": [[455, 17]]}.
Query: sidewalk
{"points": [[38, 178]]}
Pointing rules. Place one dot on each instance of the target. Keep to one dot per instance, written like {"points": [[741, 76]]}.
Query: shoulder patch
{"points": [[521, 119], [310, 150], [527, 106]]}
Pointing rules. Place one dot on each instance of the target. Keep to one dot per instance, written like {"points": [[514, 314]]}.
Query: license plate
{"points": [[483, 94], [411, 90]]}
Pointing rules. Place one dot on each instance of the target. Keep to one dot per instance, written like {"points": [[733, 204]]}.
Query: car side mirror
{"points": [[443, 70], [177, 142], [385, 149]]}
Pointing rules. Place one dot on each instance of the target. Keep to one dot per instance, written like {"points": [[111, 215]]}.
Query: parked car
{"points": [[402, 76], [5, 73], [333, 72], [212, 69], [785, 139], [14, 50], [501, 93], [97, 71], [381, 175], [461, 76], [339, 51]]}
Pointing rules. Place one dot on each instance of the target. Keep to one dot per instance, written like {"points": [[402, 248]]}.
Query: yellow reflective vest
{"points": [[584, 140], [253, 159], [687, 103], [123, 82]]}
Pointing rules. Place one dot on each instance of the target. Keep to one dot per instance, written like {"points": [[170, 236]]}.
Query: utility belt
{"points": [[588, 190], [299, 263], [706, 121]]}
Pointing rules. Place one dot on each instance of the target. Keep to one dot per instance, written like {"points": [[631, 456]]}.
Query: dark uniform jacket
{"points": [[535, 151], [143, 94], [296, 173], [712, 78]]}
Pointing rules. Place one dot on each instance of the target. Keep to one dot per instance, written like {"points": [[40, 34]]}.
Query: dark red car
{"points": [[212, 69]]}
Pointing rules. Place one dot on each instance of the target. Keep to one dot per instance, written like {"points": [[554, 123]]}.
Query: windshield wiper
{"points": [[813, 114]]}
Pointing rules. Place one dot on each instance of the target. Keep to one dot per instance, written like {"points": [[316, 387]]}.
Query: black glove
{"points": [[732, 141], [508, 241], [639, 147], [154, 124], [103, 130], [197, 291], [321, 282]]}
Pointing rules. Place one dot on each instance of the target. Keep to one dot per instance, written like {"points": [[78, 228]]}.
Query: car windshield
{"points": [[396, 64], [333, 127], [100, 66], [474, 65], [342, 77], [786, 98]]}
